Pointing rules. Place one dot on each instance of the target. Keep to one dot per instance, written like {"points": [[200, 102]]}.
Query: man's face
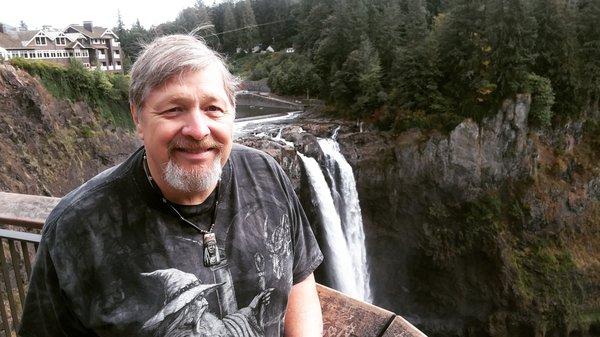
{"points": [[187, 126]]}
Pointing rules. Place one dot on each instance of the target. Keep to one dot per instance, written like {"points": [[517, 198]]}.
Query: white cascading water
{"points": [[343, 188], [339, 256]]}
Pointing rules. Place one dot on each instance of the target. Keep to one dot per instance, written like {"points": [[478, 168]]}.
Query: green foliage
{"points": [[434, 57], [248, 36], [229, 40], [511, 34], [357, 85], [589, 49], [542, 99], [106, 93], [295, 76], [555, 53], [409, 119], [415, 76], [489, 237]]}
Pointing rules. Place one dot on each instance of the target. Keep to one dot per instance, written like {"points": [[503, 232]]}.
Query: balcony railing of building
{"points": [[21, 214]]}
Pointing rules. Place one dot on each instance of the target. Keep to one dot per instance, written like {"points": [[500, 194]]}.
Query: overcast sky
{"points": [[61, 13]]}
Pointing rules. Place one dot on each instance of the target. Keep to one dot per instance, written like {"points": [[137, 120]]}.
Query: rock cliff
{"points": [[50, 146], [490, 230]]}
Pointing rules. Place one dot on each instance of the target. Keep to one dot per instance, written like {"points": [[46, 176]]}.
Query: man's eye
{"points": [[173, 109], [214, 108]]}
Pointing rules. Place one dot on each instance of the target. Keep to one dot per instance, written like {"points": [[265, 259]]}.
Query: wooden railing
{"points": [[342, 316]]}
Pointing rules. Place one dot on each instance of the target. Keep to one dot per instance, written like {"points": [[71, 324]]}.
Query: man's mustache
{"points": [[190, 144]]}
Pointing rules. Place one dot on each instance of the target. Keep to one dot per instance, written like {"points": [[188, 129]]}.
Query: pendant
{"points": [[211, 251]]}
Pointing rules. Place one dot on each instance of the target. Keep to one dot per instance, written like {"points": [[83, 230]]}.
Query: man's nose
{"points": [[196, 125]]}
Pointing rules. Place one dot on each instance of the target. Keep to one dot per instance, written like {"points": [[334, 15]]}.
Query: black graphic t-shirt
{"points": [[116, 261]]}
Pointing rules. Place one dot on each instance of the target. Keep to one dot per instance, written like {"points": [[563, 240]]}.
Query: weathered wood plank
{"points": [[402, 328], [26, 259], [346, 317], [14, 311], [25, 210]]}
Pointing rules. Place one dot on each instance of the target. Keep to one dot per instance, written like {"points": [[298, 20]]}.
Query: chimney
{"points": [[87, 25], [2, 28]]}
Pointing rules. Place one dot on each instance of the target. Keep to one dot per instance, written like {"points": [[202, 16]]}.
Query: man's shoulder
{"points": [[94, 193]]}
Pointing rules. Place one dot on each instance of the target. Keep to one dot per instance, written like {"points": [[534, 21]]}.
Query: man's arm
{"points": [[303, 316]]}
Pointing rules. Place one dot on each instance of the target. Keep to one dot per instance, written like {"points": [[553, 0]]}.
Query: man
{"points": [[190, 236]]}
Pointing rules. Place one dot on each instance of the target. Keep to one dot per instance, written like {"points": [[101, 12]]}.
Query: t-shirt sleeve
{"points": [[307, 254], [46, 311]]}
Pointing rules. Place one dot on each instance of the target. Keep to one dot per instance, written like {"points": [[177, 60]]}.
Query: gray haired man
{"points": [[189, 208]]}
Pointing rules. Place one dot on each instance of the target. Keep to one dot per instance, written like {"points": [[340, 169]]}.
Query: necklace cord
{"points": [[174, 209]]}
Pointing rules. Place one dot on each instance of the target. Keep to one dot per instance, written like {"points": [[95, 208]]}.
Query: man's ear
{"points": [[136, 120]]}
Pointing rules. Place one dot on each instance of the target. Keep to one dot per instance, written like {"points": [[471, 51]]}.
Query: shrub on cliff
{"points": [[542, 99], [106, 93]]}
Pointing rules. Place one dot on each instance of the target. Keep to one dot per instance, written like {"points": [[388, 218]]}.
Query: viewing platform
{"points": [[21, 215]]}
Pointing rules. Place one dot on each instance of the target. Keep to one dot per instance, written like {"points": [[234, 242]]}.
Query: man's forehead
{"points": [[209, 80]]}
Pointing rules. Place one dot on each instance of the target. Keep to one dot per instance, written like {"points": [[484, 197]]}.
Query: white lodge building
{"points": [[93, 46]]}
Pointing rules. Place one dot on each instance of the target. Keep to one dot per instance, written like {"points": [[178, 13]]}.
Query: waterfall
{"points": [[343, 190], [337, 253]]}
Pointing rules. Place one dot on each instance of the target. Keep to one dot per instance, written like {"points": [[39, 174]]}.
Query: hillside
{"points": [[49, 145]]}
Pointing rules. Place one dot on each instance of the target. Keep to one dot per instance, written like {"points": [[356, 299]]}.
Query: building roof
{"points": [[96, 32], [74, 36], [9, 41], [79, 44], [26, 35]]}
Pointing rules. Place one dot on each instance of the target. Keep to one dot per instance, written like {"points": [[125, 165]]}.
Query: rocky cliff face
{"points": [[491, 230], [54, 143]]}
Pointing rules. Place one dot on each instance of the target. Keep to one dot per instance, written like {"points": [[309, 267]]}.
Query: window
{"points": [[40, 41], [116, 52], [52, 54], [118, 63], [102, 52], [46, 54], [70, 54], [104, 64], [61, 41], [85, 53]]}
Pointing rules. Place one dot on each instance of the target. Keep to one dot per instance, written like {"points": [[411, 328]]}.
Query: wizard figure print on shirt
{"points": [[185, 311]]}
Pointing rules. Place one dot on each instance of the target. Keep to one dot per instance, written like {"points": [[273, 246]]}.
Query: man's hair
{"points": [[170, 56]]}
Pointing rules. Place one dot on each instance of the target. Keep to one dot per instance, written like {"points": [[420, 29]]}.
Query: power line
{"points": [[250, 26]]}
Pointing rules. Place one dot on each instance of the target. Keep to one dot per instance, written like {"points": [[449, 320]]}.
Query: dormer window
{"points": [[61, 41], [40, 41]]}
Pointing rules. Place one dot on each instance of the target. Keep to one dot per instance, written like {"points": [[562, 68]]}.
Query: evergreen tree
{"points": [[342, 35], [312, 16], [229, 36], [357, 86], [511, 33], [23, 25], [416, 76], [464, 55], [555, 51], [415, 24], [589, 51], [248, 35], [386, 22]]}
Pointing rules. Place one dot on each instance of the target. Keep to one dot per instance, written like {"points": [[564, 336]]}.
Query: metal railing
{"points": [[342, 316]]}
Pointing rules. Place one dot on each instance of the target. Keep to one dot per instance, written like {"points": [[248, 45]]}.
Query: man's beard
{"points": [[195, 179]]}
